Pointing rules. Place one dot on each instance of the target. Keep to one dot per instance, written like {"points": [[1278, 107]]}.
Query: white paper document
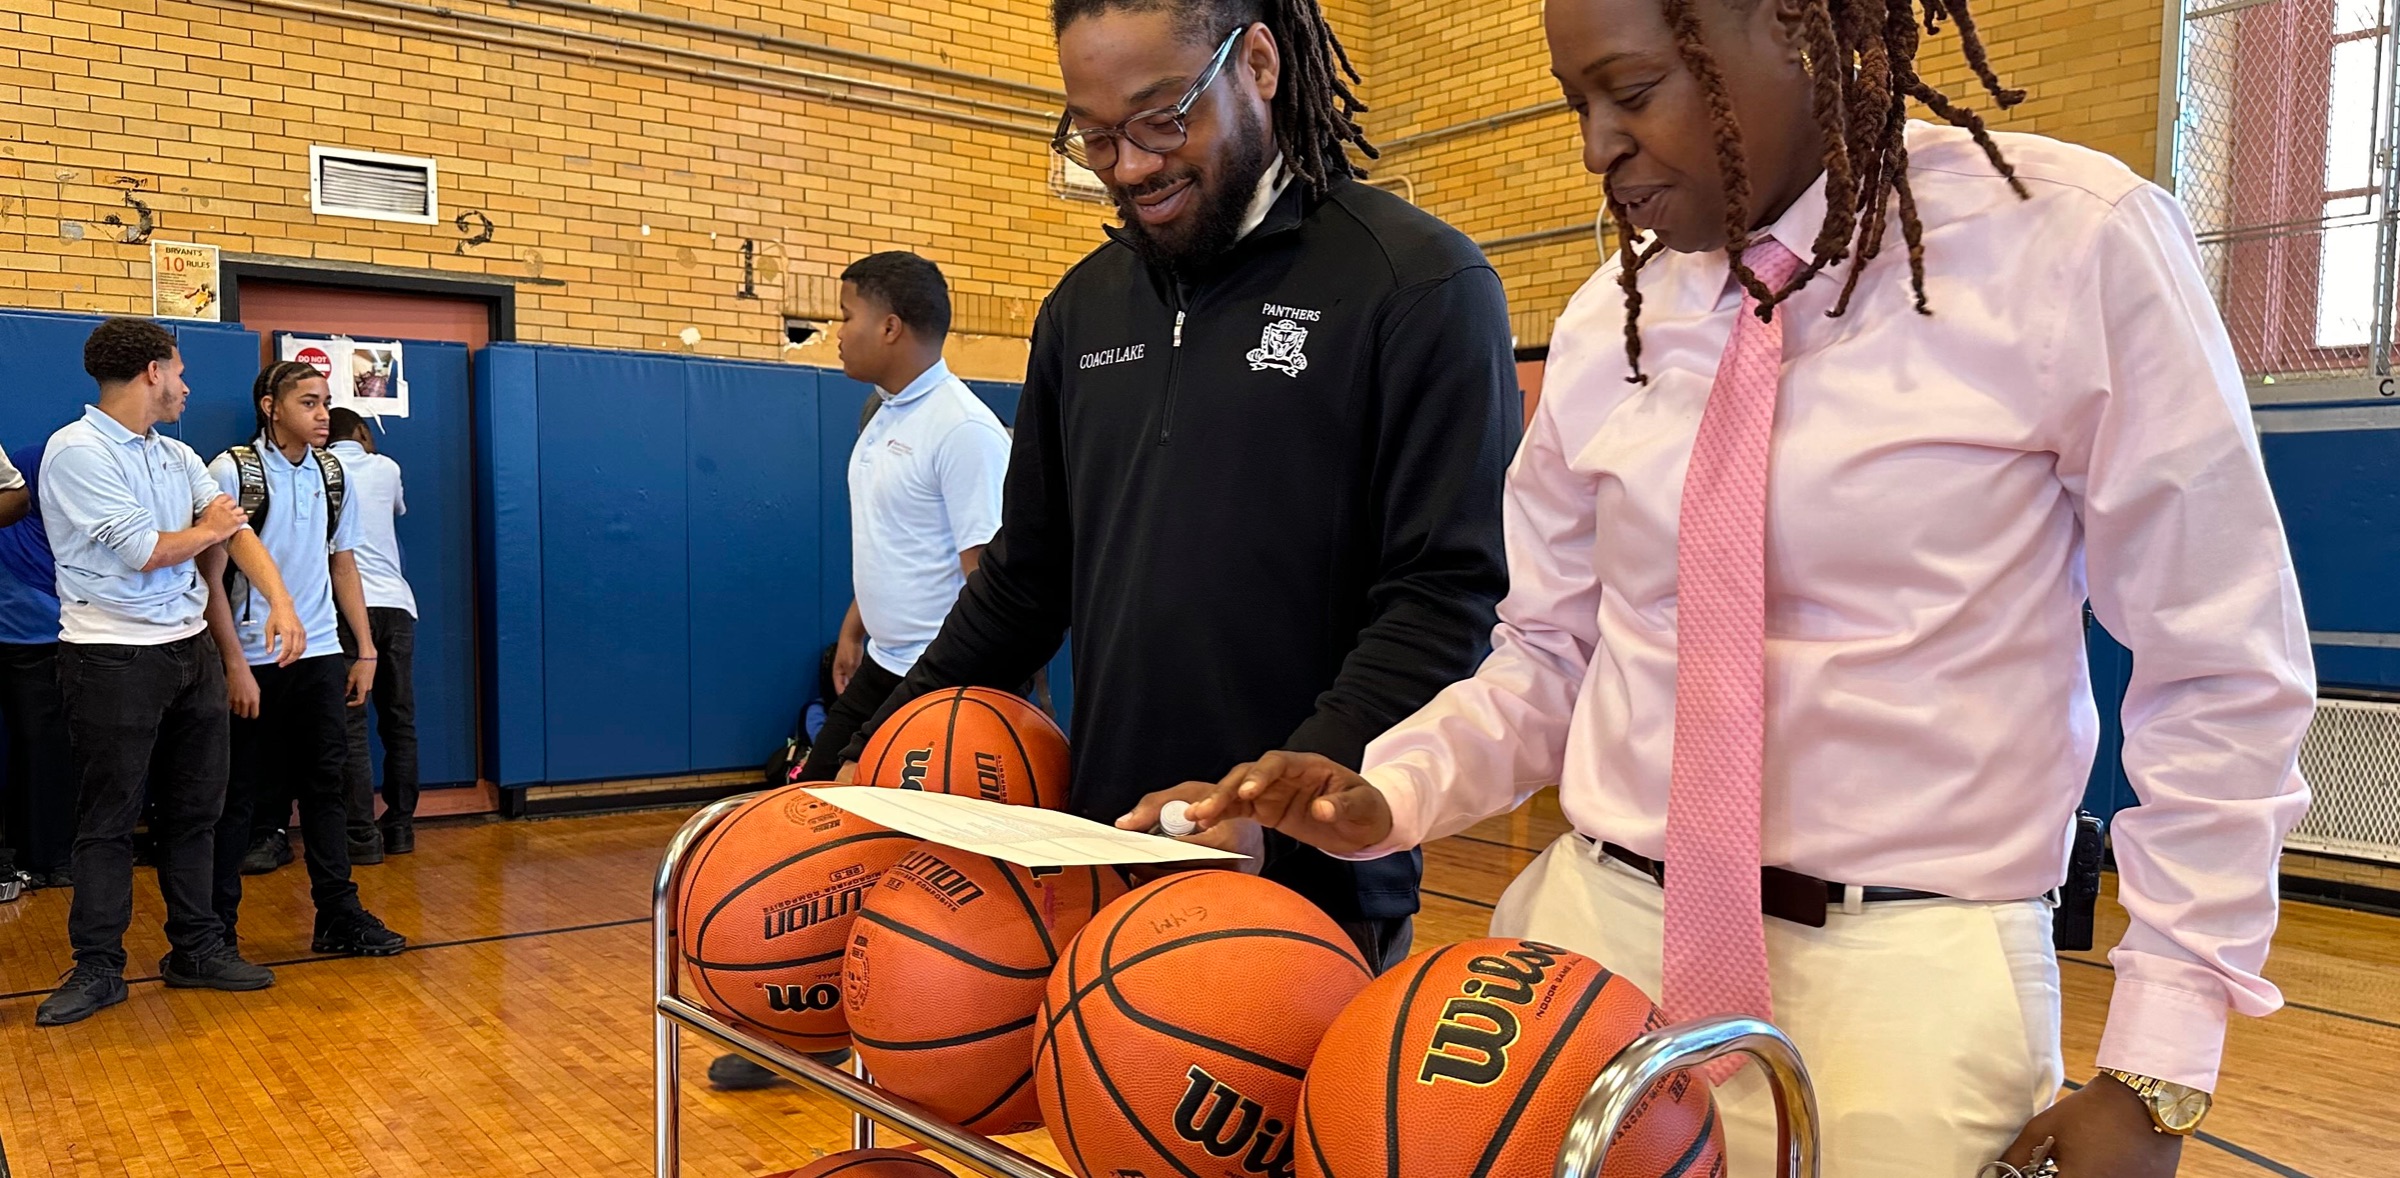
{"points": [[1021, 835]]}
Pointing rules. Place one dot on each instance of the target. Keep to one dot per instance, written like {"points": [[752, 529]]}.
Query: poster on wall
{"points": [[366, 376], [184, 283]]}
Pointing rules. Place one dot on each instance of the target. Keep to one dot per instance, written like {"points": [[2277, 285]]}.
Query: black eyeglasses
{"points": [[1156, 131]]}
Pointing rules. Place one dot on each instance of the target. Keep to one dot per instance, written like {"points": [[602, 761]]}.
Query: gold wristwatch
{"points": [[2175, 1109]]}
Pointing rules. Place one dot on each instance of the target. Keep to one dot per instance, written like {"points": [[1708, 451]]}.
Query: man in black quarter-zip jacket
{"points": [[1258, 462]]}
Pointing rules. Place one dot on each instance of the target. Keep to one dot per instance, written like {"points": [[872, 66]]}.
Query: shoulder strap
{"points": [[250, 491], [336, 488]]}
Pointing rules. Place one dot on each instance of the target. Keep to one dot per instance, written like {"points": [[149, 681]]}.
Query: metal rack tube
{"points": [[1654, 1056], [871, 1105], [979, 1154]]}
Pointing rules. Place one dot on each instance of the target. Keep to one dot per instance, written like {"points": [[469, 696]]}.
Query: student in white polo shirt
{"points": [[126, 510], [377, 495], [925, 480], [290, 735]]}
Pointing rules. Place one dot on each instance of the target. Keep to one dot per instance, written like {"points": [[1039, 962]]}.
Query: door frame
{"points": [[499, 295]]}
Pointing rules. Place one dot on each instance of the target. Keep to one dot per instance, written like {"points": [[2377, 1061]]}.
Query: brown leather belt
{"points": [[1782, 894]]}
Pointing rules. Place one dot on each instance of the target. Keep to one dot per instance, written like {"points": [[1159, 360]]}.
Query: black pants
{"points": [[1384, 943], [298, 747], [37, 812], [395, 702], [124, 704], [868, 689]]}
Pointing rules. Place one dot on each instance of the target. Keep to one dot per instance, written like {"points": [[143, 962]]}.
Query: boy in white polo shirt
{"points": [[377, 494], [126, 510], [925, 480], [290, 734]]}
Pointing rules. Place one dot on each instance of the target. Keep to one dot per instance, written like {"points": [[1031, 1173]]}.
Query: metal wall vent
{"points": [[2351, 758], [344, 183]]}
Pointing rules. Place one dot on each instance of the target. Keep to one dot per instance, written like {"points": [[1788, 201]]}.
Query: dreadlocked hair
{"points": [[1862, 61], [1316, 111], [273, 382]]}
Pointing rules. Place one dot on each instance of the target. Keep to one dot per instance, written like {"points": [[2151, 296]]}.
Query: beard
{"points": [[1214, 225]]}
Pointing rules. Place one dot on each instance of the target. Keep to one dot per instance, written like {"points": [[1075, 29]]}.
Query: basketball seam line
{"points": [[963, 957], [1085, 991], [1058, 1071], [958, 695], [1541, 1068], [1391, 1074], [1023, 1078], [952, 1041], [1691, 1156], [1040, 927], [1091, 1050], [1023, 758]]}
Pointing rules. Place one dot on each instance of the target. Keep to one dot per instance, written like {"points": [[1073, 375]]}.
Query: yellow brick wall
{"points": [[619, 195], [204, 110], [2092, 67]]}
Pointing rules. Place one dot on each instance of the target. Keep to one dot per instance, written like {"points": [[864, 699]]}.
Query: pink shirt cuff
{"points": [[2164, 1033]]}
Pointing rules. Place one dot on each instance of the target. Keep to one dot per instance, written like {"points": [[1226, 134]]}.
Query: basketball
{"points": [[971, 741], [869, 1163], [1176, 1031], [947, 963], [1471, 1061], [765, 911]]}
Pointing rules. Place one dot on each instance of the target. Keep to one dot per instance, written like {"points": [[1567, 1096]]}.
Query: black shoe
{"points": [[356, 934], [268, 854], [366, 849], [736, 1073], [399, 838], [61, 879], [220, 968], [88, 990]]}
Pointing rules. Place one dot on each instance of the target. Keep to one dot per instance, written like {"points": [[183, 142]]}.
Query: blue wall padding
{"points": [[755, 554], [616, 599], [435, 447], [508, 541], [43, 386], [2340, 496], [839, 401]]}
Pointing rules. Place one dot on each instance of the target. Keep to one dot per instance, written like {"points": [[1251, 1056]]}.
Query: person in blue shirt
{"points": [[37, 813], [127, 511], [290, 731], [378, 496]]}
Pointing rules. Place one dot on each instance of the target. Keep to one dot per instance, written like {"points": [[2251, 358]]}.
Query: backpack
{"points": [[250, 482]]}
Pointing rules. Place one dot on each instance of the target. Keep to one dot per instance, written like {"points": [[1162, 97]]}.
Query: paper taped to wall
{"points": [[1021, 835]]}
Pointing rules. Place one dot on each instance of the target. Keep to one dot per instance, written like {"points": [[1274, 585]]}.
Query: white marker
{"points": [[1175, 821]]}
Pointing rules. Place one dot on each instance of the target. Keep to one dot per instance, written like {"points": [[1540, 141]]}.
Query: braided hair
{"points": [[1862, 61], [1316, 111], [273, 382]]}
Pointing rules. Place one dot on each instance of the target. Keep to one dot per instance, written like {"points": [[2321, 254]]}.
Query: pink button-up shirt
{"points": [[1946, 493]]}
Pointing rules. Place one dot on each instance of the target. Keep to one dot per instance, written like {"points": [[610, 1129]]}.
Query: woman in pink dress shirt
{"points": [[1847, 510]]}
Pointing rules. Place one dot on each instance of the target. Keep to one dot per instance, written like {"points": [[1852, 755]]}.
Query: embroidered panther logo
{"points": [[1279, 348]]}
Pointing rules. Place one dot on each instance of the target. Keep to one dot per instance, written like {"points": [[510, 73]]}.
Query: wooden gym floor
{"points": [[514, 1038]]}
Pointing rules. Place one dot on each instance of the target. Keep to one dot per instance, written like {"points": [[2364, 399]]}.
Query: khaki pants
{"points": [[1930, 1028]]}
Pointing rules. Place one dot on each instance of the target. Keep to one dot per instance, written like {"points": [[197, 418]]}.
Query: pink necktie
{"points": [[1716, 946]]}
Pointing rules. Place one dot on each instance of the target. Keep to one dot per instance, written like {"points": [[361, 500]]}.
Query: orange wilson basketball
{"points": [[972, 741], [869, 1163], [1480, 1053], [1176, 1032], [768, 897], [946, 967]]}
